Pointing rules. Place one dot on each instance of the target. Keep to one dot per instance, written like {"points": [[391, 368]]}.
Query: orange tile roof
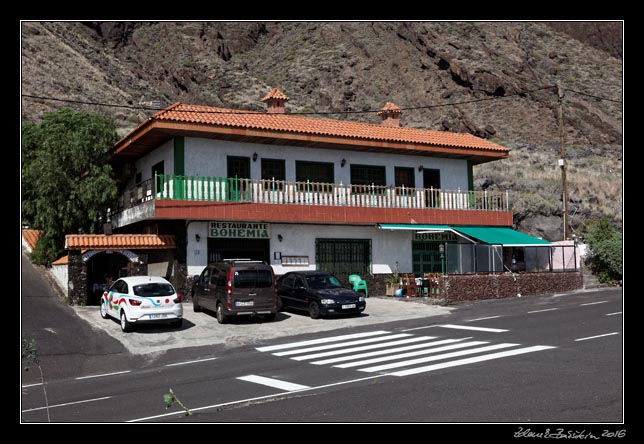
{"points": [[275, 94], [118, 241], [389, 107], [296, 124], [31, 237], [61, 261]]}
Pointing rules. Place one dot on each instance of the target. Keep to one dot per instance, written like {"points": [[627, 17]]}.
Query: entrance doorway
{"points": [[254, 249], [432, 184], [426, 257], [102, 269]]}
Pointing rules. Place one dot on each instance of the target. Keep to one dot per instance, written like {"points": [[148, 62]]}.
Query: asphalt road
{"points": [[551, 359]]}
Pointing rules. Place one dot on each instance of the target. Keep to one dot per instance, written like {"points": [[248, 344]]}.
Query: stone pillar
{"points": [[77, 278]]}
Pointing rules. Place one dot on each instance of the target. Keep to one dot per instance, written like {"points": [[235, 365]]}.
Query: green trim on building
{"points": [[470, 176], [179, 156]]}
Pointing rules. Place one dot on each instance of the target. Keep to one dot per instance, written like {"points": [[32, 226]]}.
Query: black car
{"points": [[318, 292]]}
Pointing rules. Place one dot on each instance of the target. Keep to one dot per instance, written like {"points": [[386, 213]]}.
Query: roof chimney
{"points": [[276, 101], [390, 114]]}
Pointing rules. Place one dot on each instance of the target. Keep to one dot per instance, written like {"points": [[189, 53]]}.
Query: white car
{"points": [[142, 299]]}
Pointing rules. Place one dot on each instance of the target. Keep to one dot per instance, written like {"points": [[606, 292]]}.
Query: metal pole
{"points": [[562, 160]]}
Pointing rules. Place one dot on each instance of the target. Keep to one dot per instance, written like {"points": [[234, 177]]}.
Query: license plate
{"points": [[158, 316], [344, 307], [244, 303]]}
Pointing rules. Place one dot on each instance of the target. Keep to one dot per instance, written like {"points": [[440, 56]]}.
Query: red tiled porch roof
{"points": [[119, 241]]}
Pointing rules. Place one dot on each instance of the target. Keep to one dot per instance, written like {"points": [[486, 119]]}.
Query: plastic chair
{"points": [[358, 284]]}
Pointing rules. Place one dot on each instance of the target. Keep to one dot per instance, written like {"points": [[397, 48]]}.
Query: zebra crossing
{"points": [[397, 354]]}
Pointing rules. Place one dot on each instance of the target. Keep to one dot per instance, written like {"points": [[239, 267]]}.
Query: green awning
{"points": [[501, 236], [416, 227]]}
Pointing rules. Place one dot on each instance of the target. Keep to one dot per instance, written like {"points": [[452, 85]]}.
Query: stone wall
{"points": [[77, 275], [457, 288]]}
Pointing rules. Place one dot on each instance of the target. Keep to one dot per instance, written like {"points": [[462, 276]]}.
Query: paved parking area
{"points": [[203, 329]]}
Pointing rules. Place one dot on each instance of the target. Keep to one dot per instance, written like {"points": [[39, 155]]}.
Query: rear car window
{"points": [[253, 279], [153, 289]]}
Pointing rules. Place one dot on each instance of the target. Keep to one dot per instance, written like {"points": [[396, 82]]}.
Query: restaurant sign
{"points": [[443, 236], [246, 230]]}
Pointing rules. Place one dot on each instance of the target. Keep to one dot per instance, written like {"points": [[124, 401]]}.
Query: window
{"points": [[239, 167], [314, 172], [253, 279], [343, 256], [405, 177], [273, 169], [321, 172], [205, 276], [153, 289], [368, 174]]}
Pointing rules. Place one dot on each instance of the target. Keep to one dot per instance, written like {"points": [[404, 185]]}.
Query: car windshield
{"points": [[153, 289], [321, 282]]}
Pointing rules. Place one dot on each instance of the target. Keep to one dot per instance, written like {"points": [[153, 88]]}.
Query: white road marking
{"points": [[419, 328], [68, 403], [410, 354], [31, 385], [428, 368], [190, 362], [343, 344], [243, 401], [388, 351], [51, 330], [361, 348], [321, 341], [104, 374], [465, 327], [598, 336], [275, 383], [541, 311], [482, 319], [378, 368], [613, 314], [594, 303]]}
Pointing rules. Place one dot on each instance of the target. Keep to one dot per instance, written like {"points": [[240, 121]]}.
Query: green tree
{"points": [[606, 257], [67, 182]]}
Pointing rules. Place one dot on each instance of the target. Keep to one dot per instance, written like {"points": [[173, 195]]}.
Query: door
{"points": [[253, 288], [238, 173], [426, 258], [203, 291], [432, 184], [300, 296]]}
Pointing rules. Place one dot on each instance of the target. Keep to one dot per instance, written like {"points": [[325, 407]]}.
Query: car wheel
{"points": [[126, 326], [314, 310], [221, 317], [270, 317], [178, 323], [103, 309], [195, 305], [280, 304]]}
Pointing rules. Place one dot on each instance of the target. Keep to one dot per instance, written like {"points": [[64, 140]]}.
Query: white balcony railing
{"points": [[222, 189]]}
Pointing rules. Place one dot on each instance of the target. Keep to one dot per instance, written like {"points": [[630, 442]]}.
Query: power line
{"points": [[591, 95], [112, 105]]}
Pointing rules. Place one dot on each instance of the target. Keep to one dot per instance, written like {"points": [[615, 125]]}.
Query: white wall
{"points": [[164, 153], [388, 248], [60, 274], [207, 157]]}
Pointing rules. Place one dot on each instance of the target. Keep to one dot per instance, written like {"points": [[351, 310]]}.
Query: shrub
{"points": [[606, 255]]}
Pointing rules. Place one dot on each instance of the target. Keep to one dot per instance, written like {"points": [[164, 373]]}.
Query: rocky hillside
{"points": [[343, 66]]}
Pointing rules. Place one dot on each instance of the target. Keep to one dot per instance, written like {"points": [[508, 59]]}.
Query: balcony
{"points": [[201, 192]]}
